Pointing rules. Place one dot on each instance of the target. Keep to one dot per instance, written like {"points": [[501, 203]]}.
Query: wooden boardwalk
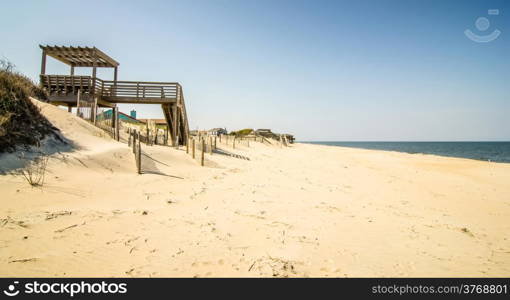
{"points": [[70, 90]]}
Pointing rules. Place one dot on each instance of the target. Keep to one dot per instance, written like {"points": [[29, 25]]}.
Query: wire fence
{"points": [[197, 146], [85, 110], [107, 119], [134, 141]]}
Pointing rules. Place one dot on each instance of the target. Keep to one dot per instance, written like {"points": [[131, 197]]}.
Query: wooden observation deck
{"points": [[68, 90]]}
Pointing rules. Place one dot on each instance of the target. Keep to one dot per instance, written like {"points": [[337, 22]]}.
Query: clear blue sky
{"points": [[323, 70]]}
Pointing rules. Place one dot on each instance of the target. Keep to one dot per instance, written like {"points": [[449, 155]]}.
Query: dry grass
{"points": [[35, 169], [20, 120]]}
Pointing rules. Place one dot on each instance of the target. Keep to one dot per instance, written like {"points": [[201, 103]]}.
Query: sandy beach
{"points": [[298, 211]]}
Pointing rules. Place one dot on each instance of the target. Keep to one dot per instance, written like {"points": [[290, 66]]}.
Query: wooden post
{"points": [[94, 59], [234, 142], [174, 124], [210, 145], [134, 140], [147, 131], [214, 143], [94, 111], [78, 103], [72, 70], [187, 146], [129, 138], [117, 123], [113, 121], [43, 63], [69, 107], [193, 148], [202, 157], [139, 160]]}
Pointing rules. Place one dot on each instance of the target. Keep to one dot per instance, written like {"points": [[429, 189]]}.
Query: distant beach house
{"points": [[158, 122], [217, 131], [269, 134], [264, 132], [122, 116]]}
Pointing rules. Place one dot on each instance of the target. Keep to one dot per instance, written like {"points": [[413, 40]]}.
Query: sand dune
{"points": [[305, 210]]}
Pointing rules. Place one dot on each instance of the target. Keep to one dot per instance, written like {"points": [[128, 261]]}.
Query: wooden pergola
{"points": [[69, 90], [79, 57]]}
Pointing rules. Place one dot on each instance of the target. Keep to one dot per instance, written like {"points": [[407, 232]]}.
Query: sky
{"points": [[379, 70]]}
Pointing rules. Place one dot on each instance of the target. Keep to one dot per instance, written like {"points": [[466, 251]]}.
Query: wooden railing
{"points": [[110, 90], [136, 89], [64, 84]]}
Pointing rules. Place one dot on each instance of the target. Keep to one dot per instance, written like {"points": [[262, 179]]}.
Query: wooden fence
{"points": [[104, 118], [134, 141], [154, 137], [198, 146]]}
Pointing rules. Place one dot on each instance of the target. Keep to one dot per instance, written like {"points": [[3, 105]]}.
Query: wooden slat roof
{"points": [[80, 56]]}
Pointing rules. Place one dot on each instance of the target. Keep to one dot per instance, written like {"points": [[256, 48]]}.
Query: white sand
{"points": [[306, 210]]}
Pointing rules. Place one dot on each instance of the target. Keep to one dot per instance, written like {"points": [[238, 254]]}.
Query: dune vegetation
{"points": [[21, 123]]}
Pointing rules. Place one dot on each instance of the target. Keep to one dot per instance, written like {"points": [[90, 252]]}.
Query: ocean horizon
{"points": [[495, 151]]}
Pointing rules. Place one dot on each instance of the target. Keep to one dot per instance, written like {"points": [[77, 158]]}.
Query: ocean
{"points": [[487, 151]]}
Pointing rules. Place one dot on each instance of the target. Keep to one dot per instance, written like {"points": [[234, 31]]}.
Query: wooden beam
{"points": [[94, 61], [43, 63], [174, 124], [79, 56], [134, 100]]}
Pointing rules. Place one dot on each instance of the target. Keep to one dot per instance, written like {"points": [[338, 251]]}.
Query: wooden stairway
{"points": [[177, 120]]}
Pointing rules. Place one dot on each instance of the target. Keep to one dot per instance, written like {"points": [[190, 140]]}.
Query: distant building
{"points": [[264, 132], [156, 121], [217, 131], [122, 116], [289, 137], [269, 134], [133, 114]]}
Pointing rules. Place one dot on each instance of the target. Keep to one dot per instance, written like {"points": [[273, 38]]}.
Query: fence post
{"points": [[202, 157], [78, 103], [147, 131], [210, 145], [187, 146], [94, 111], [134, 141], [193, 148], [115, 116], [129, 138], [234, 143], [139, 160], [214, 143]]}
